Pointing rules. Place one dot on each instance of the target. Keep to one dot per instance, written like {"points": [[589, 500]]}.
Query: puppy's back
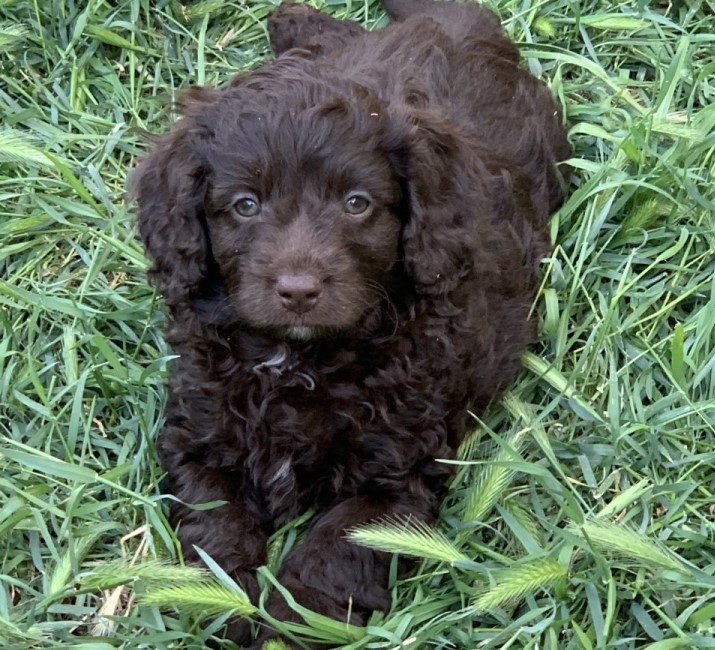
{"points": [[459, 21], [510, 113]]}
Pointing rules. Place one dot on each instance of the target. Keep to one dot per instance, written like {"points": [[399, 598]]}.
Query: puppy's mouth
{"points": [[301, 308], [301, 333], [304, 329]]}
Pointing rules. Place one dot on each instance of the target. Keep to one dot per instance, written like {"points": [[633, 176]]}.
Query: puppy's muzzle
{"points": [[299, 293]]}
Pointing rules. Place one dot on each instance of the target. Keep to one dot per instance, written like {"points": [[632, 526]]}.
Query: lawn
{"points": [[582, 511]]}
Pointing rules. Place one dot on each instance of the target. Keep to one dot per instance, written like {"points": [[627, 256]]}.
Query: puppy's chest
{"points": [[308, 417], [304, 431], [300, 404]]}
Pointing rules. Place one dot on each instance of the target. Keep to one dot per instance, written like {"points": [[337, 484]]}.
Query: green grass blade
{"points": [[407, 537], [515, 583], [627, 545], [207, 599], [18, 147]]}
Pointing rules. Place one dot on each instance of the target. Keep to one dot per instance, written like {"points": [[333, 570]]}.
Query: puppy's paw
{"points": [[271, 644]]}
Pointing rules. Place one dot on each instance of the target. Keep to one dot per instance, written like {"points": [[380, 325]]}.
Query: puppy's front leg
{"points": [[331, 575], [232, 535]]}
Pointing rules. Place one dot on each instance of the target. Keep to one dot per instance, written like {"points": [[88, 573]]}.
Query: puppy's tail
{"points": [[458, 19]]}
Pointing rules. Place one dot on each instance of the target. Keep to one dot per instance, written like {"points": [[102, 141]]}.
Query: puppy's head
{"points": [[288, 203]]}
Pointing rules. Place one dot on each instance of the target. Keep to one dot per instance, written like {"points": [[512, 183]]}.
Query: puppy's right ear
{"points": [[170, 187]]}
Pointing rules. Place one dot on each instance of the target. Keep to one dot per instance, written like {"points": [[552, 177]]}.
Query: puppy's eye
{"points": [[357, 204], [247, 205]]}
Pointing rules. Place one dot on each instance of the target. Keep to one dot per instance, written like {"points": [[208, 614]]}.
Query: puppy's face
{"points": [[302, 212]]}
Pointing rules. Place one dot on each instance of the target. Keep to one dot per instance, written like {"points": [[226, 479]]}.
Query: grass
{"points": [[582, 513]]}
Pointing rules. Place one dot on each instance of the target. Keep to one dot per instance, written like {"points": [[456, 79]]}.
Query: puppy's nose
{"points": [[300, 292]]}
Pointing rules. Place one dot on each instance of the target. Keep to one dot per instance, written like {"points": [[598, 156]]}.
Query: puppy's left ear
{"points": [[468, 212], [446, 195]]}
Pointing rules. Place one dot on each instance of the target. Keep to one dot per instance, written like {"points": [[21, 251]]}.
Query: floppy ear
{"points": [[170, 187], [445, 195], [468, 213]]}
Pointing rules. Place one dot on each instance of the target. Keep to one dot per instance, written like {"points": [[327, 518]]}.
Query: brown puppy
{"points": [[348, 241]]}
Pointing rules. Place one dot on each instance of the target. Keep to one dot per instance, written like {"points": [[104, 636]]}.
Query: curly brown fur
{"points": [[328, 357]]}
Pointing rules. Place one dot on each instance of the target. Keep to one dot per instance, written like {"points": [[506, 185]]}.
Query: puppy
{"points": [[348, 241]]}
